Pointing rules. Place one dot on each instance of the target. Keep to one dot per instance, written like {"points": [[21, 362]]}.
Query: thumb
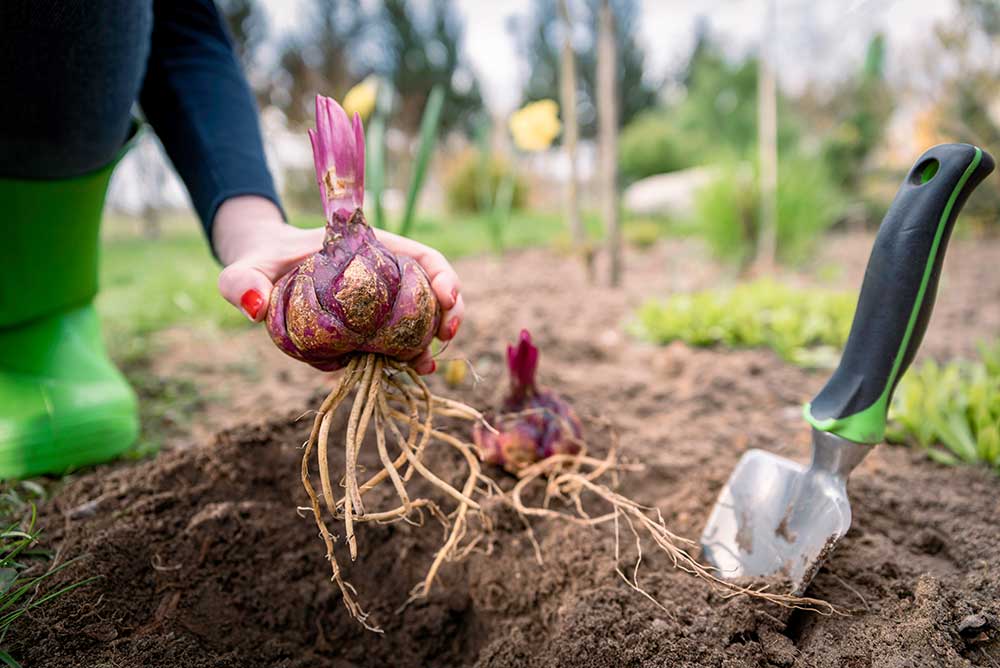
{"points": [[247, 288]]}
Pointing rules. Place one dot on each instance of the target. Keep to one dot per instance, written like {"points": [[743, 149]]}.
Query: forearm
{"points": [[200, 105], [242, 225]]}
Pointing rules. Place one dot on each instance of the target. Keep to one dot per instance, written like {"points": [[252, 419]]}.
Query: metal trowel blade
{"points": [[776, 517]]}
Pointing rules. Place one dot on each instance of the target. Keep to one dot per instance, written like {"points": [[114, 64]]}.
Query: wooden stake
{"points": [[571, 134], [767, 143], [607, 112]]}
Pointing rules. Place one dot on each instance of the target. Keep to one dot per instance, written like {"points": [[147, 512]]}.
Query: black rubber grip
{"points": [[905, 260]]}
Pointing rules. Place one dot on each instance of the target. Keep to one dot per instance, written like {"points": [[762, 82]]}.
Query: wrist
{"points": [[240, 222]]}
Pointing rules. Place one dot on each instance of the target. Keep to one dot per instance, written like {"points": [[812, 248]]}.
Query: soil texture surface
{"points": [[204, 560]]}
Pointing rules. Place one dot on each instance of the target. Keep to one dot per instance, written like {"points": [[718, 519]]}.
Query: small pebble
{"points": [[972, 625], [610, 338]]}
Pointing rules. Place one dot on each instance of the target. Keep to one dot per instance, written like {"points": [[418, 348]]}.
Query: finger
{"points": [[295, 248], [452, 320], [424, 363], [246, 288], [444, 278]]}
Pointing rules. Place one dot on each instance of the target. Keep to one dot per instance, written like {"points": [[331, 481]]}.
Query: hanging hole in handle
{"points": [[924, 172]]}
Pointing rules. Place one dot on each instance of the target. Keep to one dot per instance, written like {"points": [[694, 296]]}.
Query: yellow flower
{"points": [[535, 125], [454, 372], [361, 98]]}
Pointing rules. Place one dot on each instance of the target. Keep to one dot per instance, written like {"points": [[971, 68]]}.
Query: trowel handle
{"points": [[897, 295]]}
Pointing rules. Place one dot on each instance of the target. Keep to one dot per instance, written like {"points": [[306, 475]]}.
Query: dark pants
{"points": [[70, 73]]}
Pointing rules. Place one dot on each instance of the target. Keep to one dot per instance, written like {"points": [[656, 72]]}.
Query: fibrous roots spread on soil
{"points": [[384, 395], [202, 562], [356, 306]]}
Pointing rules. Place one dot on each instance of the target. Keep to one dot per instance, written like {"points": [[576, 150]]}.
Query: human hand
{"points": [[257, 248]]}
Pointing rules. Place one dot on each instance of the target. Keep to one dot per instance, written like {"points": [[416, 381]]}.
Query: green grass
{"points": [[804, 326], [148, 285], [951, 411], [462, 235], [24, 567]]}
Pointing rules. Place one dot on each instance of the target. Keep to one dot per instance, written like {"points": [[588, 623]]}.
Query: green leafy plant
{"points": [[495, 188], [428, 138], [717, 113], [726, 214], [809, 203], [642, 232], [24, 567], [653, 144], [806, 327], [863, 106], [480, 182], [472, 182], [951, 411], [376, 167], [375, 150]]}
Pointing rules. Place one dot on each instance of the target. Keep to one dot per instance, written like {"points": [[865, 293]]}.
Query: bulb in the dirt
{"points": [[353, 295], [533, 422], [522, 362]]}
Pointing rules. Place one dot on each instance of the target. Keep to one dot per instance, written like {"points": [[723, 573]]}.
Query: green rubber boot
{"points": [[63, 404]]}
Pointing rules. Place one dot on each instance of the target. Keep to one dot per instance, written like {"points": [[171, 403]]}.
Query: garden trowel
{"points": [[776, 517]]}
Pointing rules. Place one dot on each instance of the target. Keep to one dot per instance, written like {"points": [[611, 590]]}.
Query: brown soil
{"points": [[204, 561]]}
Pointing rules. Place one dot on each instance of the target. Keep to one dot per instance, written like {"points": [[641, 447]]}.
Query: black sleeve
{"points": [[196, 98]]}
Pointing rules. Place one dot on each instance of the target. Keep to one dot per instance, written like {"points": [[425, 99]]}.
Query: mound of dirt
{"points": [[204, 560]]}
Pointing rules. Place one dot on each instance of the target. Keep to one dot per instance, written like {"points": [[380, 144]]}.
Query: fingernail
{"points": [[252, 301], [454, 295], [452, 328]]}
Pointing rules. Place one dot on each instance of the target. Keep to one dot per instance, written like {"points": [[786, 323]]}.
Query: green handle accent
{"points": [[898, 291], [428, 137]]}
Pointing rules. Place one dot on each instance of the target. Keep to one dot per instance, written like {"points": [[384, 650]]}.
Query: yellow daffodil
{"points": [[536, 125], [454, 372], [361, 98]]}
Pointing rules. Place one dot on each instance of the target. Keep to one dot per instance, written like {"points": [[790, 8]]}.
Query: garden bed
{"points": [[205, 561]]}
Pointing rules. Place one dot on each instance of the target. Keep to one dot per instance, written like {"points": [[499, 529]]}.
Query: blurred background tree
{"points": [[712, 121], [415, 46], [713, 118], [843, 135], [966, 72], [718, 109], [247, 25], [539, 39], [862, 105], [418, 50], [323, 56]]}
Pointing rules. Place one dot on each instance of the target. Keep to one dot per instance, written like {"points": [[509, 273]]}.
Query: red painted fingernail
{"points": [[252, 301], [454, 295], [452, 328], [434, 366]]}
